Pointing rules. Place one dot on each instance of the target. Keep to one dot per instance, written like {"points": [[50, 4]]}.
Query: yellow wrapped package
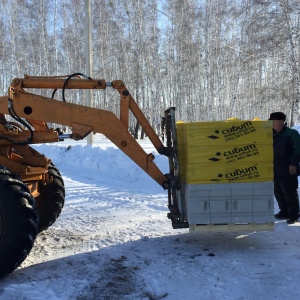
{"points": [[227, 132], [211, 151], [227, 173], [219, 154]]}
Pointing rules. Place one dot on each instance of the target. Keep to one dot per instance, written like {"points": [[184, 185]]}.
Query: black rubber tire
{"points": [[51, 200], [18, 222]]}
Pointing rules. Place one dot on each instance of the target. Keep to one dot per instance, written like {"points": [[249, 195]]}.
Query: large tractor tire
{"points": [[18, 222], [51, 199]]}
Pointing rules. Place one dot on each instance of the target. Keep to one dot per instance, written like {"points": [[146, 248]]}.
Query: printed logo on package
{"points": [[234, 132], [236, 153], [239, 174]]}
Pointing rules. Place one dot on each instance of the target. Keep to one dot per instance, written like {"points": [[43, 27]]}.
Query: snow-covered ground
{"points": [[113, 241]]}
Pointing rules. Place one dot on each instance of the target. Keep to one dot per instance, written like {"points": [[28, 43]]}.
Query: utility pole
{"points": [[89, 58]]}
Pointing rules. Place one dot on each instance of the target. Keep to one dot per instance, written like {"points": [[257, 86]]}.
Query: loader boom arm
{"points": [[82, 119], [32, 112]]}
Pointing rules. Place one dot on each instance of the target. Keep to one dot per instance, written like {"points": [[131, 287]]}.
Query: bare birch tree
{"points": [[210, 59]]}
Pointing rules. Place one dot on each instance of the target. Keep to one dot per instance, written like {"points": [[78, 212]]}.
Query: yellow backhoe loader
{"points": [[31, 187]]}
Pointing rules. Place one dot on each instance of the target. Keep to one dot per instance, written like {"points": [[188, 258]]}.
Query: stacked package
{"points": [[226, 171]]}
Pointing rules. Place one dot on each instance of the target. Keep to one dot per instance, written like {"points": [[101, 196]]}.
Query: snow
{"points": [[113, 241]]}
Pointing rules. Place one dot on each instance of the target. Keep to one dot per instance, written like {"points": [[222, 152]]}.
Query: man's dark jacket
{"points": [[286, 144]]}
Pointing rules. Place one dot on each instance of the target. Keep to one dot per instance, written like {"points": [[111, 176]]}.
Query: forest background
{"points": [[211, 59]]}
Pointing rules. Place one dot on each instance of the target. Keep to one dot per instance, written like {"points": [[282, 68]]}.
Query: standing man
{"points": [[286, 144]]}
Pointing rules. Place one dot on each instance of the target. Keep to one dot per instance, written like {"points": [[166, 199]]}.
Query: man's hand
{"points": [[292, 170]]}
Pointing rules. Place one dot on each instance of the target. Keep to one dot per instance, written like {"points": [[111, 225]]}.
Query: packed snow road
{"points": [[113, 241]]}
